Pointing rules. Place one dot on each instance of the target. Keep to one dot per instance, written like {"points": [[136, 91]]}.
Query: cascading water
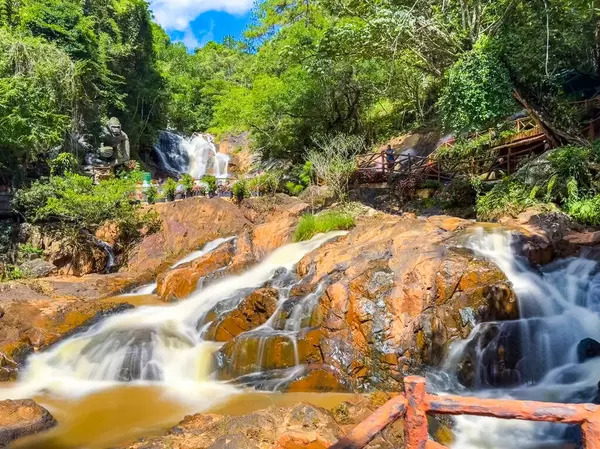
{"points": [[152, 345], [197, 155], [541, 356]]}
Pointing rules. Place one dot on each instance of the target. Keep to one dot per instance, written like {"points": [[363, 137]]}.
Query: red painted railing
{"points": [[415, 404]]}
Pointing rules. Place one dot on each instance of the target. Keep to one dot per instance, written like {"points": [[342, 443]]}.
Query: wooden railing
{"points": [[416, 404]]}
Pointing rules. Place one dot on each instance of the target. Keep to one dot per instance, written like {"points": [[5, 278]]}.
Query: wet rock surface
{"points": [[300, 426], [22, 418], [398, 292]]}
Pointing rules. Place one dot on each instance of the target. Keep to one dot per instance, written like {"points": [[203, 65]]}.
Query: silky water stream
{"points": [[143, 370], [541, 356]]}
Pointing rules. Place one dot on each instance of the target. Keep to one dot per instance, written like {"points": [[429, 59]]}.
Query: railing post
{"points": [[383, 162], [417, 432], [591, 433]]}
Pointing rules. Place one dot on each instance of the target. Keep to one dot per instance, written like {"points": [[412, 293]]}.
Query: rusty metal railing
{"points": [[416, 404]]}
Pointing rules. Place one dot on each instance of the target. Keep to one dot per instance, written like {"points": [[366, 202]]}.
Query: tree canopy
{"points": [[303, 69]]}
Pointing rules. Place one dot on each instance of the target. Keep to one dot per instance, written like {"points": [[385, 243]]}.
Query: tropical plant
{"points": [[170, 189], [152, 194], [211, 182], [187, 182], [62, 164], [240, 190]]}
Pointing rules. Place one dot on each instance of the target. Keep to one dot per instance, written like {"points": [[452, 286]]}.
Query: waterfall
{"points": [[197, 155], [152, 345], [538, 357]]}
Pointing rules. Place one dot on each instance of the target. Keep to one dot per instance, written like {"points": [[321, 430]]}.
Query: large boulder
{"points": [[186, 226], [22, 418], [38, 268], [392, 295], [251, 312], [182, 281]]}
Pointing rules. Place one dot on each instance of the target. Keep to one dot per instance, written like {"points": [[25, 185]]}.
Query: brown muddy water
{"points": [[120, 415]]}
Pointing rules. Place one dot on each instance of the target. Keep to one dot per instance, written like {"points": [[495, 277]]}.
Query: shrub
{"points": [[586, 211], [169, 189], [27, 249], [431, 184], [76, 199], [334, 161], [10, 273], [152, 194], [211, 182], [311, 225], [187, 182], [265, 184], [240, 191], [294, 189], [508, 198], [569, 162], [63, 163]]}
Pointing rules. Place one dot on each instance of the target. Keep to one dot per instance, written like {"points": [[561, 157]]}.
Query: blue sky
{"points": [[195, 22]]}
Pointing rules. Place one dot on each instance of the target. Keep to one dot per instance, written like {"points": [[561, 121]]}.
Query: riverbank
{"points": [[353, 313]]}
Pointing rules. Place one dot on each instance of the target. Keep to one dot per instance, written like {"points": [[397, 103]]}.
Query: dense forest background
{"points": [[304, 68]]}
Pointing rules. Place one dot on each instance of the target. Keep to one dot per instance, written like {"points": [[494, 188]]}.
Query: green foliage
{"points": [[294, 189], [240, 190], [572, 162], [169, 189], [265, 184], [63, 163], [311, 225], [187, 182], [211, 182], [586, 211], [334, 161], [431, 184], [37, 90], [11, 273], [478, 91], [507, 198], [27, 249], [152, 194]]}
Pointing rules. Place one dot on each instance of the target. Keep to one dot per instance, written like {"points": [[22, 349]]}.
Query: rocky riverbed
{"points": [[356, 314]]}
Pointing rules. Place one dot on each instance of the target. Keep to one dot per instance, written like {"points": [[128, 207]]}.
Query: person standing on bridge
{"points": [[390, 158]]}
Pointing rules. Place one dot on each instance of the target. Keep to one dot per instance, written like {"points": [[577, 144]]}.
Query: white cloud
{"points": [[176, 15]]}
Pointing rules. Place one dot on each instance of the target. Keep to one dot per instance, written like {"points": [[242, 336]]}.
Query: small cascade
{"points": [[209, 247], [197, 155], [162, 345], [275, 352], [111, 262], [541, 356]]}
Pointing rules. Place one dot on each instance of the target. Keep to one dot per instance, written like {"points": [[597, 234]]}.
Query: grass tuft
{"points": [[311, 225]]}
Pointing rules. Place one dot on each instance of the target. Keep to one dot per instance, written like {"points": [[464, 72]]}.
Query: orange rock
{"points": [[317, 379], [181, 282], [253, 311], [186, 226]]}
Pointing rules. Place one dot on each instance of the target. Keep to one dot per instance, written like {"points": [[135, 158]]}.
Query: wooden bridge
{"points": [[509, 154], [414, 406]]}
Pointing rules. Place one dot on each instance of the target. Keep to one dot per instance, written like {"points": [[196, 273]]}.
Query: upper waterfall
{"points": [[197, 155]]}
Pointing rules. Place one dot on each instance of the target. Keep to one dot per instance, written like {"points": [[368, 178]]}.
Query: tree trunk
{"points": [[557, 137]]}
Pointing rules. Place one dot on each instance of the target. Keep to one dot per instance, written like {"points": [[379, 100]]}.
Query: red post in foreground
{"points": [[416, 403]]}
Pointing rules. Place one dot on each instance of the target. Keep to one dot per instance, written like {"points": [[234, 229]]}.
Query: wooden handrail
{"points": [[416, 404]]}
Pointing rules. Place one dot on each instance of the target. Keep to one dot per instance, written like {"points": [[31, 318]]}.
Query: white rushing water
{"points": [[197, 155], [559, 308], [211, 246], [153, 345]]}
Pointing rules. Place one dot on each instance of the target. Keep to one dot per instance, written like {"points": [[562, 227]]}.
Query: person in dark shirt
{"points": [[390, 157]]}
